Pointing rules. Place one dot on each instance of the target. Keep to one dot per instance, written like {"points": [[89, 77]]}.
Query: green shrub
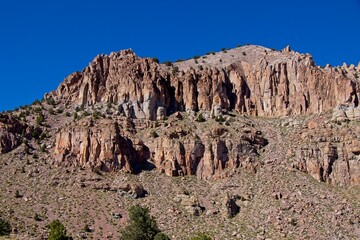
{"points": [[87, 228], [96, 115], [154, 134], [57, 231], [168, 63], [141, 226], [43, 148], [175, 70], [76, 116], [200, 118], [156, 60], [17, 194], [59, 110], [37, 109], [161, 236], [5, 227], [85, 114], [201, 236], [36, 102], [37, 217], [40, 119], [50, 101], [220, 119]]}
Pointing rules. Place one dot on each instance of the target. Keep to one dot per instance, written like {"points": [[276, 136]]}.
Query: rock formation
{"points": [[100, 145], [330, 153], [209, 155], [10, 133], [258, 82]]}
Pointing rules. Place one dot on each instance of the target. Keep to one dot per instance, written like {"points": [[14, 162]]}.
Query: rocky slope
{"points": [[251, 137]]}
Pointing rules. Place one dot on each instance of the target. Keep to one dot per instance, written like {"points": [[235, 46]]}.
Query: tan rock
{"points": [[103, 145], [287, 83]]}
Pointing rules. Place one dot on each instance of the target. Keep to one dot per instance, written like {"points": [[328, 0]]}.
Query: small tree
{"points": [[161, 236], [5, 228], [57, 231], [141, 227], [201, 236]]}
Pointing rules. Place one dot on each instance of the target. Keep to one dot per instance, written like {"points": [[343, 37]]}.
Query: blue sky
{"points": [[41, 42]]}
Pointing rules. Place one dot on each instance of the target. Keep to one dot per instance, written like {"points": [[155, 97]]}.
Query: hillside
{"points": [[267, 131]]}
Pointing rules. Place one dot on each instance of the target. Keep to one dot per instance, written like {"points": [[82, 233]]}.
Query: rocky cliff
{"points": [[102, 145], [250, 79], [124, 112]]}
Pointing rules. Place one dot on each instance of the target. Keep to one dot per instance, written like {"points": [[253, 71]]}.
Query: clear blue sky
{"points": [[41, 42]]}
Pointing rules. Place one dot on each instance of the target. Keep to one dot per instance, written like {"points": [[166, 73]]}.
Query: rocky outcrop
{"points": [[255, 81], [101, 145], [210, 155], [10, 133], [330, 153], [346, 112], [230, 208]]}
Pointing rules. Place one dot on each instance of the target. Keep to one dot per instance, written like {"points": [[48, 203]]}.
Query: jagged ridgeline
{"points": [[127, 113], [251, 79]]}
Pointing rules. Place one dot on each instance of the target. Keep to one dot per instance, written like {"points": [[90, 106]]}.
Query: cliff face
{"points": [[208, 155], [10, 132], [101, 145], [329, 152], [251, 80]]}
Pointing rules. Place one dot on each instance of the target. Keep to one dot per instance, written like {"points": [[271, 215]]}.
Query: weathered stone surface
{"points": [[267, 84], [99, 145], [10, 133], [208, 155], [330, 154]]}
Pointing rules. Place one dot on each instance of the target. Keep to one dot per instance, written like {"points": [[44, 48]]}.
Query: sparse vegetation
{"points": [[156, 60]]}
